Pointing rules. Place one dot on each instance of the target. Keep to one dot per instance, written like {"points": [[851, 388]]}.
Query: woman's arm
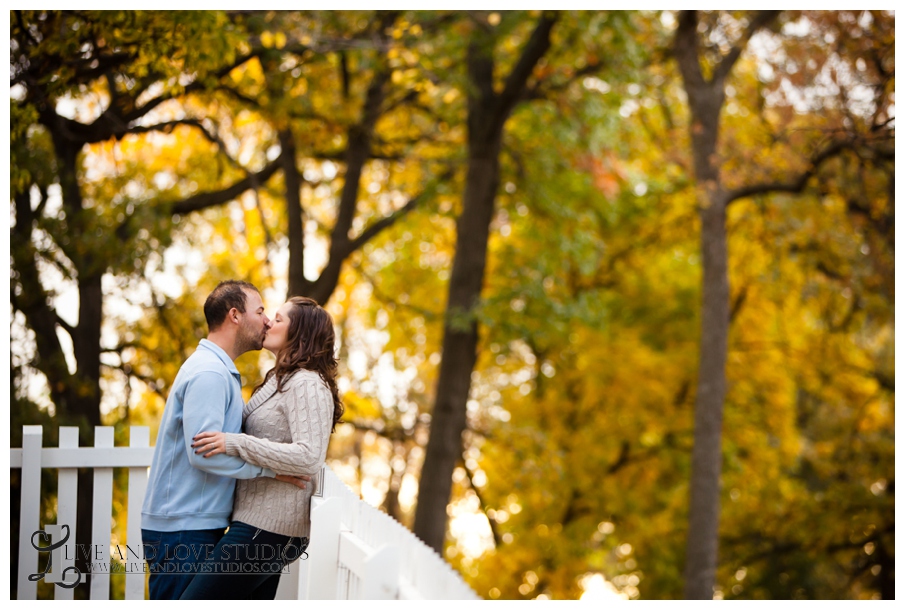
{"points": [[309, 412]]}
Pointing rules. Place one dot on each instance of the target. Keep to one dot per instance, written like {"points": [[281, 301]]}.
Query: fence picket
{"points": [[139, 436], [30, 510], [380, 574], [324, 546], [102, 517], [67, 508]]}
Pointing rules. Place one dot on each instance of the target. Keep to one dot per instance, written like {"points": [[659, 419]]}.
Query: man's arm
{"points": [[203, 408], [210, 444]]}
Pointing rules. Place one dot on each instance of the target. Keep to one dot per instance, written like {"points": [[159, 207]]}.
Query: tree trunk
{"points": [[295, 227], [84, 399], [34, 302], [487, 115], [460, 339], [706, 461], [84, 391], [357, 154], [705, 99]]}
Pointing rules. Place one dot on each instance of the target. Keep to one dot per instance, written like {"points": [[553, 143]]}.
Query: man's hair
{"points": [[225, 296]]}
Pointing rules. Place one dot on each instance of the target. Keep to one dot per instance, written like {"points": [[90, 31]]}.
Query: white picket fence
{"points": [[356, 551]]}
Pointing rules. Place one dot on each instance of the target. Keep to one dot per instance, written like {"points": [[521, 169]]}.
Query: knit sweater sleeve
{"points": [[309, 411]]}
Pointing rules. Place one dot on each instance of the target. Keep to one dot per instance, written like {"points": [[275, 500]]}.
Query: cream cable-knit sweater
{"points": [[288, 432]]}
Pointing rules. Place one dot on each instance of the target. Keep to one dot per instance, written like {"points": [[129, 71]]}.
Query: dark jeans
{"points": [[175, 557], [246, 564]]}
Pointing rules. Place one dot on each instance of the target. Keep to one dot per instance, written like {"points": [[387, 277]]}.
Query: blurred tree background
{"points": [[616, 288]]}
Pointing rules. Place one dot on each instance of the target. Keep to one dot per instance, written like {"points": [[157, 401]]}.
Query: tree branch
{"points": [[534, 49], [195, 85], [540, 92], [210, 199], [250, 101], [477, 492], [686, 49], [168, 127], [70, 330], [129, 371], [391, 433], [761, 19], [795, 185], [115, 121], [384, 298], [388, 221]]}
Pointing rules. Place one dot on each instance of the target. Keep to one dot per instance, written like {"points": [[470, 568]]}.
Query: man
{"points": [[189, 498]]}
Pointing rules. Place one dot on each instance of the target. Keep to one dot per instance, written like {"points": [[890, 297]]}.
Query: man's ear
{"points": [[233, 315]]}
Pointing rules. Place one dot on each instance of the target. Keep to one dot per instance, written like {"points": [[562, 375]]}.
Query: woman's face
{"points": [[276, 336]]}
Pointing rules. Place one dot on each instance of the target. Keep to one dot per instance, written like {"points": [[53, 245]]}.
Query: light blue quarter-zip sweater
{"points": [[187, 491]]}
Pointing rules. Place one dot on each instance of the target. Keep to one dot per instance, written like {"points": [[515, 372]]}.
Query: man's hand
{"points": [[298, 481]]}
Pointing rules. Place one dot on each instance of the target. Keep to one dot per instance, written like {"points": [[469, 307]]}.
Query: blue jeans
{"points": [[245, 564], [175, 557]]}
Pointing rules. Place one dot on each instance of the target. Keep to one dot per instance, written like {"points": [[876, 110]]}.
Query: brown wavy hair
{"points": [[310, 344]]}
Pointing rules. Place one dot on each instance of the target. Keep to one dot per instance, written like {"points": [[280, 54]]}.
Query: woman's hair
{"points": [[309, 345]]}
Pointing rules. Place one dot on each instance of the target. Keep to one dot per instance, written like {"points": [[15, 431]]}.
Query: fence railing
{"points": [[356, 551]]}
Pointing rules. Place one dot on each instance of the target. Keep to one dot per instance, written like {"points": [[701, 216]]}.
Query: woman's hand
{"points": [[209, 443]]}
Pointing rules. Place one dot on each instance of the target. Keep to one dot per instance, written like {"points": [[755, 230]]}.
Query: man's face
{"points": [[254, 324]]}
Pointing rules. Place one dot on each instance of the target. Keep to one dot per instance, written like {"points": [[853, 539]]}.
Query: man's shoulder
{"points": [[203, 356], [204, 361]]}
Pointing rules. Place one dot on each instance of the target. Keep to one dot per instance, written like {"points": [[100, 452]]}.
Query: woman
{"points": [[287, 425]]}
